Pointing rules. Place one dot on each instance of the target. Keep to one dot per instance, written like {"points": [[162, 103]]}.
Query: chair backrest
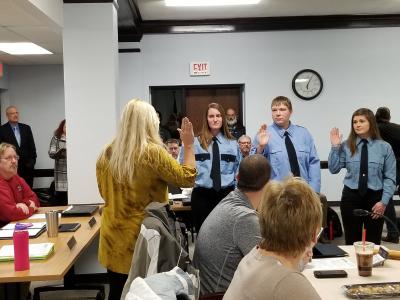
{"points": [[160, 245], [214, 296]]}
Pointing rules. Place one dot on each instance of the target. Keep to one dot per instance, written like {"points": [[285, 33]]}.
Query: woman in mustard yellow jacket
{"points": [[132, 171]]}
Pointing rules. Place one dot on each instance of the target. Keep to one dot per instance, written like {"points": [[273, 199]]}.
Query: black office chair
{"points": [[46, 195]]}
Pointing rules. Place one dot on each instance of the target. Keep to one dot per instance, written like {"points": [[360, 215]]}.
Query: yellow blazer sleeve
{"points": [[171, 171]]}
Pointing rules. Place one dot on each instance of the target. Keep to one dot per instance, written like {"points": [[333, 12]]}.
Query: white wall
{"points": [[38, 93], [359, 68]]}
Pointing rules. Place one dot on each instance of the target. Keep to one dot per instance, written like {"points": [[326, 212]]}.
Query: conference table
{"points": [[62, 260], [332, 288]]}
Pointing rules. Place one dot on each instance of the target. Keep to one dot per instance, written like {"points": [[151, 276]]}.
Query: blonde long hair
{"points": [[138, 130]]}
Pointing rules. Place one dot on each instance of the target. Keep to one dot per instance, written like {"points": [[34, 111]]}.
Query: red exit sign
{"points": [[200, 68]]}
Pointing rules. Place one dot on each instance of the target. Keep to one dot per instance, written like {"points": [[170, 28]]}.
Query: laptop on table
{"points": [[80, 210]]}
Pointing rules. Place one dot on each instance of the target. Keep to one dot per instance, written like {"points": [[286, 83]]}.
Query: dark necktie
{"points": [[215, 168], [363, 178], [294, 164]]}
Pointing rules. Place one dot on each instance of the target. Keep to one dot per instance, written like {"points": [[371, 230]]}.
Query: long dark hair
{"points": [[59, 131], [205, 136], [373, 128]]}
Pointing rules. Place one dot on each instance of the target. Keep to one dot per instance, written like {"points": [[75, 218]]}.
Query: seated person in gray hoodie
{"points": [[232, 229]]}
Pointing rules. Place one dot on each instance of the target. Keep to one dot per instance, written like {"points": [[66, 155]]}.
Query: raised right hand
{"points": [[263, 136], [335, 136], [186, 132]]}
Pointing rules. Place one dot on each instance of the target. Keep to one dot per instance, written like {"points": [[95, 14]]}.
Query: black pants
{"points": [[390, 212], [61, 198], [352, 224], [26, 174], [203, 202], [324, 204], [117, 282]]}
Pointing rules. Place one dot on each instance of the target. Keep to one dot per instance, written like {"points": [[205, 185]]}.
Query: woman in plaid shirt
{"points": [[58, 152]]}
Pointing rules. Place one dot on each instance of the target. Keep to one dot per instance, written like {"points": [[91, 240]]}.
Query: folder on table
{"points": [[36, 251], [328, 250], [7, 231]]}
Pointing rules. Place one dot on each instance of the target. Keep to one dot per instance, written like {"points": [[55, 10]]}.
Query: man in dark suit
{"points": [[20, 135]]}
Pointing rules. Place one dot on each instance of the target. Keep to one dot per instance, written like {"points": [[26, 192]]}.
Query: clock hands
{"points": [[309, 79]]}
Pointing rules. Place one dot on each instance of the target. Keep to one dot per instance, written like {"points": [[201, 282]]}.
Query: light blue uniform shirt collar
{"points": [[220, 138], [359, 141], [281, 131]]}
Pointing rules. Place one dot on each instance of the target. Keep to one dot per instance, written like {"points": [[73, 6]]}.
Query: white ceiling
{"points": [[156, 10], [25, 20]]}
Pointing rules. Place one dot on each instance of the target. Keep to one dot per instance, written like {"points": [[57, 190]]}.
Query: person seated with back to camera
{"points": [[290, 219], [231, 230], [17, 200]]}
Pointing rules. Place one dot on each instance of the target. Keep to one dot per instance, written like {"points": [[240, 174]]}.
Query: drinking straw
{"points": [[364, 233]]}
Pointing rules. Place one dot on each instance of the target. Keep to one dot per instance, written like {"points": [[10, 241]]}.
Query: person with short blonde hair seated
{"points": [[290, 219]]}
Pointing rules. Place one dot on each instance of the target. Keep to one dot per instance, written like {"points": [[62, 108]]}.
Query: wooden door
{"points": [[198, 98]]}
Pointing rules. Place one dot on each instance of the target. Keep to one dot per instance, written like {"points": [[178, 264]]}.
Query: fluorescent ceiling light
{"points": [[202, 28], [209, 2], [22, 49]]}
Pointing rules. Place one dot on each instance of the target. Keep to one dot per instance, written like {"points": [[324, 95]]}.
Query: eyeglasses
{"points": [[10, 158], [245, 143]]}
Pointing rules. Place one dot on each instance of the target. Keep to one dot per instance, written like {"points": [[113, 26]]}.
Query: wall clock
{"points": [[307, 84]]}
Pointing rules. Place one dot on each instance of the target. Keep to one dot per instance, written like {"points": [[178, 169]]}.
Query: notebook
{"points": [[80, 210], [328, 250], [7, 231], [36, 251]]}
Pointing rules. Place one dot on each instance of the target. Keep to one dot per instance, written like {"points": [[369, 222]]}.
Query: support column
{"points": [[90, 40]]}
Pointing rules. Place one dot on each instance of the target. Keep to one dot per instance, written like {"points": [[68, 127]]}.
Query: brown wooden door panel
{"points": [[197, 100]]}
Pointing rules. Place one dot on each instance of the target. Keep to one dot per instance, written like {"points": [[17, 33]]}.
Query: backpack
{"points": [[332, 217]]}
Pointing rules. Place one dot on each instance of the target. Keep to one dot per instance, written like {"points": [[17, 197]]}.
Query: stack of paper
{"points": [[36, 251], [6, 232]]}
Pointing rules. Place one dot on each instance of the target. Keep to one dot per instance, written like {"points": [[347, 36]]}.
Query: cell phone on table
{"points": [[330, 274], [68, 227]]}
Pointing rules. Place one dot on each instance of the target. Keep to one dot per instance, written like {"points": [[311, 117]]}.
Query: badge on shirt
{"points": [[19, 188]]}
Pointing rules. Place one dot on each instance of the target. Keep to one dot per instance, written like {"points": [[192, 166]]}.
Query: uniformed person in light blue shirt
{"points": [[378, 175], [215, 177], [270, 141]]}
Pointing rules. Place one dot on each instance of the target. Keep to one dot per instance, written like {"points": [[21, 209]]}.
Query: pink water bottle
{"points": [[21, 247]]}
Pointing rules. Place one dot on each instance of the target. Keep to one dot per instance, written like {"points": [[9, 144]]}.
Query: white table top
{"points": [[331, 288]]}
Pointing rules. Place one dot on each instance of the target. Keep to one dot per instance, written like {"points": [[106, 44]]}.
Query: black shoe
{"points": [[391, 239]]}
